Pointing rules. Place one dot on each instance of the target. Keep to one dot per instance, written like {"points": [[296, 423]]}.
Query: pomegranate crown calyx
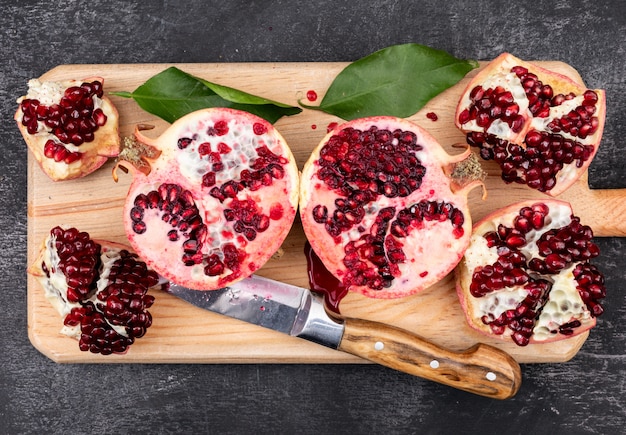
{"points": [[468, 170], [467, 173], [136, 153]]}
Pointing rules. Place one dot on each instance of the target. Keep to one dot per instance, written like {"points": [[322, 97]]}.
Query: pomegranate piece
{"points": [[212, 198], [100, 288], [527, 275], [541, 127], [380, 210], [70, 127]]}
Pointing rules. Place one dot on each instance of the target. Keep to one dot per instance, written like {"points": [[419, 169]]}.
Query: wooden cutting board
{"points": [[182, 333]]}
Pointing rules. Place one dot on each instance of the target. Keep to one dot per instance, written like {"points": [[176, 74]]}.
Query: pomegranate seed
{"points": [[220, 128], [184, 142], [259, 128], [203, 149]]}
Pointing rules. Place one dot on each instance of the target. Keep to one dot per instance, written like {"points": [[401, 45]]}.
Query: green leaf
{"points": [[395, 81], [173, 93]]}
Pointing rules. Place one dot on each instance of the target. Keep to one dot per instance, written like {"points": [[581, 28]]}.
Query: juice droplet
{"points": [[331, 127], [432, 116], [313, 126], [311, 95], [322, 281]]}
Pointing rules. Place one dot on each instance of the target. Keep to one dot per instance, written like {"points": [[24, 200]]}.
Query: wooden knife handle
{"points": [[481, 369]]}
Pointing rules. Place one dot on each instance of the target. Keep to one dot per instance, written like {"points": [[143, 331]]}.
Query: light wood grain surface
{"points": [[183, 333]]}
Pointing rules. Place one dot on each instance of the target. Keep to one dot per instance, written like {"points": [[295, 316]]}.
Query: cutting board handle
{"points": [[481, 369]]}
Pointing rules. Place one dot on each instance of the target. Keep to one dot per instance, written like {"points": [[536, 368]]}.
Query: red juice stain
{"points": [[311, 95], [331, 127], [322, 281], [313, 126], [432, 116]]}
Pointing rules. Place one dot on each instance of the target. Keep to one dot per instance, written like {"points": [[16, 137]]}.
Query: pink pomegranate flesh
{"points": [[380, 209], [212, 199], [527, 277], [541, 127]]}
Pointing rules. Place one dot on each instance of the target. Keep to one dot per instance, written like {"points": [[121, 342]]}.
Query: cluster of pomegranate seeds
{"points": [[265, 168], [125, 300], [560, 247], [537, 159], [96, 335], [110, 315], [123, 303], [57, 152], [371, 248], [360, 166], [489, 105], [579, 122], [73, 120], [247, 217], [79, 259], [522, 319], [538, 163], [540, 96], [375, 160], [557, 249], [177, 208], [590, 286]]}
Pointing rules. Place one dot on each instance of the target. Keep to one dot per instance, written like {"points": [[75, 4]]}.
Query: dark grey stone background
{"points": [[585, 395]]}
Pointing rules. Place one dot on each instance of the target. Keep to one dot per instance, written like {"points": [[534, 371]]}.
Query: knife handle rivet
{"points": [[491, 376], [434, 364], [379, 345]]}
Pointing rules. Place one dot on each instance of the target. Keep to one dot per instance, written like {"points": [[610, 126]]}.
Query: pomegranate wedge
{"points": [[541, 127]]}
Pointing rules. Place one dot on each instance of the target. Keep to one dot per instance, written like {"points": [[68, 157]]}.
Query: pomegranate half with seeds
{"points": [[70, 126], [99, 287], [212, 199], [541, 127], [527, 275], [377, 195]]}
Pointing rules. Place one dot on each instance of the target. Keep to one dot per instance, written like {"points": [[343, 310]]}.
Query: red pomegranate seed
{"points": [[259, 128]]}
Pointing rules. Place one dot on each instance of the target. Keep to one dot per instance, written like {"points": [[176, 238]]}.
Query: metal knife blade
{"points": [[299, 312], [285, 308]]}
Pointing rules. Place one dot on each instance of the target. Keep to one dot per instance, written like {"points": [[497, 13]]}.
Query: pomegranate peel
{"points": [[212, 198], [526, 276], [70, 126], [376, 196], [542, 127], [99, 288]]}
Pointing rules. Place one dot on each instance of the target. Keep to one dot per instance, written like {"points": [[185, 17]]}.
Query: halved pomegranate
{"points": [[212, 199], [71, 127], [380, 208], [541, 127], [99, 287], [526, 275]]}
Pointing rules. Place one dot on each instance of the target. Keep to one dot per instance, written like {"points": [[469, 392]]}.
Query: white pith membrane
{"points": [[55, 287], [508, 80], [564, 303], [93, 154], [423, 265], [186, 168]]}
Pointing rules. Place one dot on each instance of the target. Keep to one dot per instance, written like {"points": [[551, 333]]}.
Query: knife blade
{"points": [[299, 312]]}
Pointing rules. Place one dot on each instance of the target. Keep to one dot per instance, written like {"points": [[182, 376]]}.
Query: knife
{"points": [[299, 312]]}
